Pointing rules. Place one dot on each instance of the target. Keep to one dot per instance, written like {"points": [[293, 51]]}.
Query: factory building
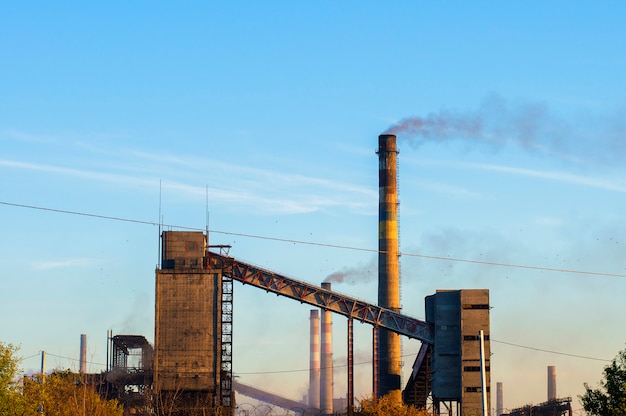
{"points": [[192, 366], [458, 316], [450, 370], [188, 327]]}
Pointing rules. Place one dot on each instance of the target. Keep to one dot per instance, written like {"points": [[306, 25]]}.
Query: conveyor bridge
{"points": [[314, 295], [273, 399]]}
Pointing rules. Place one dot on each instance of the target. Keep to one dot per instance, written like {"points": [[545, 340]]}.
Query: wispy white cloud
{"points": [[609, 184], [251, 177], [81, 173], [549, 221], [446, 189], [20, 136], [298, 198], [266, 190], [61, 264], [600, 183]]}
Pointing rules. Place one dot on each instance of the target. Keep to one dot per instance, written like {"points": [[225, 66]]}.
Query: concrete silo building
{"points": [[192, 342]]}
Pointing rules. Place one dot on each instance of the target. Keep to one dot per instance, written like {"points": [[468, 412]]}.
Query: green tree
{"points": [[387, 406], [61, 393], [10, 397], [610, 398]]}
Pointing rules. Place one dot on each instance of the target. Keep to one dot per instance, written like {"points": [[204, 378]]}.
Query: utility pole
{"points": [[483, 377]]}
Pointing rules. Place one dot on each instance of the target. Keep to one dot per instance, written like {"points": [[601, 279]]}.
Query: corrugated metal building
{"points": [[458, 316]]}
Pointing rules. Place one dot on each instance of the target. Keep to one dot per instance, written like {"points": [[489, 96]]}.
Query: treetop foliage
{"points": [[610, 398], [386, 406], [61, 393]]}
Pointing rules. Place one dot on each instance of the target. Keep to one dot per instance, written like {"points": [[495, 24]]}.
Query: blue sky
{"points": [[273, 109]]}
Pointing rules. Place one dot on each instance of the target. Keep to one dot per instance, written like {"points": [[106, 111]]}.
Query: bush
{"points": [[387, 406]]}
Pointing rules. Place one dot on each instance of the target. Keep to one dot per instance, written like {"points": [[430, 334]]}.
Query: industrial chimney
{"points": [[551, 383], [314, 367], [499, 399], [83, 354], [326, 382], [388, 268]]}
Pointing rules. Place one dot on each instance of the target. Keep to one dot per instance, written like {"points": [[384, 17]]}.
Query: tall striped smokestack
{"points": [[326, 383], [314, 368], [388, 268], [551, 383], [83, 353]]}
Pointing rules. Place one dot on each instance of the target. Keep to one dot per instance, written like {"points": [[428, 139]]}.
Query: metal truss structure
{"points": [[226, 376], [556, 407], [322, 298]]}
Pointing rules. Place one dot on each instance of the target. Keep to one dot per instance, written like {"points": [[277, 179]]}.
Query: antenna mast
{"points": [[207, 215], [160, 224]]}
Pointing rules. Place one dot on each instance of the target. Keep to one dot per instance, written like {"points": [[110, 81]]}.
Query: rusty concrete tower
{"points": [[389, 374], [188, 327]]}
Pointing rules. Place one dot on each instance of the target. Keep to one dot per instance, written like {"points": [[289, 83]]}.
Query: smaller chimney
{"points": [[314, 365], [499, 399], [326, 383], [551, 383], [83, 353]]}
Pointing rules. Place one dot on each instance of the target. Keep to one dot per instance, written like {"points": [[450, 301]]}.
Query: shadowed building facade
{"points": [[188, 326]]}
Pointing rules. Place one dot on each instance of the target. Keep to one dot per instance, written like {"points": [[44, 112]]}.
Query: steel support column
{"points": [[350, 367], [375, 367]]}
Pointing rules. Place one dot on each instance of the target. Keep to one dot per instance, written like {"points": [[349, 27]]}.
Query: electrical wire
{"points": [[550, 351], [355, 364], [48, 354], [84, 214], [31, 356], [292, 241], [321, 368], [74, 359], [413, 354], [519, 266], [106, 217]]}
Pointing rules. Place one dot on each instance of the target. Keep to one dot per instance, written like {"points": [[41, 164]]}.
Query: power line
{"points": [[106, 217], [321, 368], [311, 243], [356, 364], [550, 351], [73, 359], [84, 214], [31, 356], [415, 353], [49, 354], [519, 266]]}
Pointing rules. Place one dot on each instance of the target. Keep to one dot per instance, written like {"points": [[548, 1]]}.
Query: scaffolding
{"points": [[557, 407], [226, 386], [129, 376]]}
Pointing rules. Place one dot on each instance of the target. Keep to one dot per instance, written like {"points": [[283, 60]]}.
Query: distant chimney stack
{"points": [[326, 383], [83, 353], [551, 383], [314, 367], [499, 399]]}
